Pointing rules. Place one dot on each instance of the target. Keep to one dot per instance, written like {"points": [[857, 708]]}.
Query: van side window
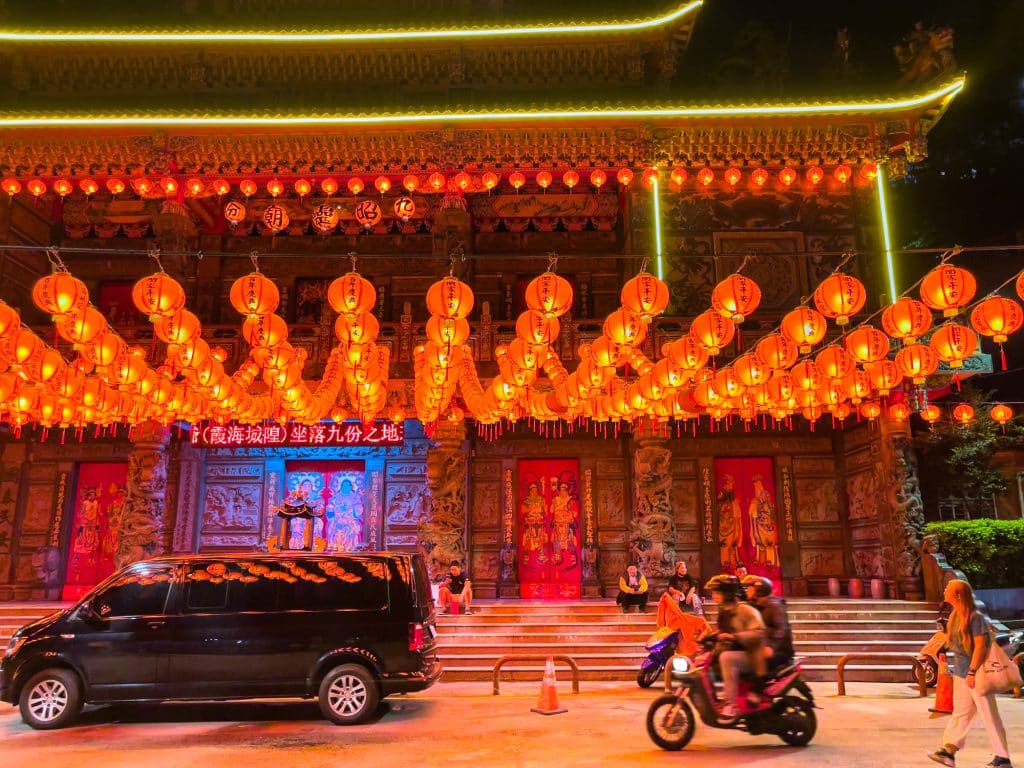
{"points": [[138, 592], [337, 583], [224, 586]]}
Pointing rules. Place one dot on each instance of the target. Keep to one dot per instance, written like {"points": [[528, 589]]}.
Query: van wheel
{"points": [[51, 699], [348, 694]]}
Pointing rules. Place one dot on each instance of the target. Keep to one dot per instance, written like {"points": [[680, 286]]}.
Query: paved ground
{"points": [[461, 724]]}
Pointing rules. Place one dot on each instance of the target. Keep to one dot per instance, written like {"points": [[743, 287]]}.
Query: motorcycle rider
{"points": [[778, 634], [741, 637]]}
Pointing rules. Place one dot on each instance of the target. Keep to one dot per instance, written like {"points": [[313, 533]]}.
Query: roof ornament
{"points": [[925, 54]]}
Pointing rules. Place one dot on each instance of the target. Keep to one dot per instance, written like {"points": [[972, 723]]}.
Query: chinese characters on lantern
{"points": [[383, 433]]}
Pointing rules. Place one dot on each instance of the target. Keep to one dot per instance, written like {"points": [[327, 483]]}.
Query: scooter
{"points": [[786, 707], [661, 646]]}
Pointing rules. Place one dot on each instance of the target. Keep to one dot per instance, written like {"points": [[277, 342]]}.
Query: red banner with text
{"points": [[549, 528], [748, 526]]}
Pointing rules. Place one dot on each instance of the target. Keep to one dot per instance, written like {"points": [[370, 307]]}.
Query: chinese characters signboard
{"points": [[329, 435]]}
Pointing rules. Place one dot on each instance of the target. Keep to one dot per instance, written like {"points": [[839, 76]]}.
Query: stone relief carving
{"points": [[904, 495], [863, 492], [816, 501], [142, 523], [612, 565], [684, 503], [611, 500], [485, 566], [443, 532], [653, 529], [486, 508], [821, 562], [867, 563], [407, 504], [231, 507]]}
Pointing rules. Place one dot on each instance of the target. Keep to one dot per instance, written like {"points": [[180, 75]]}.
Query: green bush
{"points": [[989, 552]]}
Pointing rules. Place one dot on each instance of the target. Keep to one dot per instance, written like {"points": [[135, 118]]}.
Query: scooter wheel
{"points": [[797, 722], [670, 722], [931, 672], [649, 674]]}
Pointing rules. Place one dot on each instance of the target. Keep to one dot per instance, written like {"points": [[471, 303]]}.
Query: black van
{"points": [[347, 629]]}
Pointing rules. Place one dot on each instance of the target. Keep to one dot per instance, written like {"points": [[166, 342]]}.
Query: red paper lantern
{"points": [[842, 173], [254, 294], [931, 414], [355, 185], [436, 181], [544, 179], [856, 385], [750, 370], [906, 319], [302, 187], [733, 176], [871, 410], [169, 185], [490, 180], [815, 174], [948, 288], [598, 178], [517, 179], [463, 180], [805, 326], [963, 413], [115, 186], [11, 186], [351, 294], [645, 295], [81, 327], [624, 177], [884, 375], [179, 327], [1019, 286], [1001, 414], [234, 212], [368, 214], [899, 412], [687, 353], [325, 218], [276, 218], [712, 331], [705, 176], [264, 330], [839, 297], [953, 344], [678, 176], [787, 176], [777, 351], [63, 187], [450, 297], [997, 317], [221, 187], [382, 184], [537, 330], [89, 187], [549, 294], [247, 187], [736, 297], [867, 344], [806, 376], [358, 329], [158, 294], [445, 331], [60, 293], [760, 177], [37, 187], [405, 208], [570, 179], [625, 327], [917, 362], [329, 186], [780, 388]]}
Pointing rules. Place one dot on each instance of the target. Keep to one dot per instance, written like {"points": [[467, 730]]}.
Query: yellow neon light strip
{"points": [[944, 92], [883, 215], [350, 37], [659, 261]]}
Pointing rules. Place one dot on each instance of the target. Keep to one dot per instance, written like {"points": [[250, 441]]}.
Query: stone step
{"points": [[875, 673], [531, 645]]}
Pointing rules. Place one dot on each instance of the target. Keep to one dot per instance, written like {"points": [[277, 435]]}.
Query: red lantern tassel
{"points": [[1002, 356]]}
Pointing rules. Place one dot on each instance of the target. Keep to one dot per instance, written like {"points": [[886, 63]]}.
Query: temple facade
{"points": [[493, 154]]}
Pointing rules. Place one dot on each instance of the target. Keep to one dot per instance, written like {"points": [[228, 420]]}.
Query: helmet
{"points": [[762, 586], [725, 583]]}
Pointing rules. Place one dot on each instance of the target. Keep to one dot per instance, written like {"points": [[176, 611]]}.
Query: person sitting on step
{"points": [[632, 590], [456, 588]]}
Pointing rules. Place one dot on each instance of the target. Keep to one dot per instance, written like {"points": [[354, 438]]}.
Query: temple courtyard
{"points": [[463, 724]]}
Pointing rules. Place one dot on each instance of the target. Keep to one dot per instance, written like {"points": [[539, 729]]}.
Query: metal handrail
{"points": [[537, 657], [918, 668]]}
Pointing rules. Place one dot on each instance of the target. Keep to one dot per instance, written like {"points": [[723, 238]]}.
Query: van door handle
{"points": [[154, 624]]}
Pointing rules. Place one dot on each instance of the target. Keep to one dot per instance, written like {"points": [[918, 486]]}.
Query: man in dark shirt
{"points": [[683, 588], [779, 635], [455, 588]]}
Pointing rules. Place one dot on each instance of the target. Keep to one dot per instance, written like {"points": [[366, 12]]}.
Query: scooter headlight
{"points": [[681, 665]]}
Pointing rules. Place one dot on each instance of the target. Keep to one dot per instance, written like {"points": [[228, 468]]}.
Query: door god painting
{"points": [[337, 488], [745, 506], [100, 497], [549, 528]]}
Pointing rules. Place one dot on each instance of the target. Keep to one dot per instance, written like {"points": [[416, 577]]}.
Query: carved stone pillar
{"points": [[652, 537], [443, 532], [145, 520], [902, 515]]}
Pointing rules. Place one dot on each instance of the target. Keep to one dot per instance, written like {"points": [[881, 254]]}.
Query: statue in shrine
{"points": [[297, 507], [763, 527], [730, 526]]}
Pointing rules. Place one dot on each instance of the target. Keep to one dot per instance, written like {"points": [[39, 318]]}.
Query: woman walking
{"points": [[968, 639]]}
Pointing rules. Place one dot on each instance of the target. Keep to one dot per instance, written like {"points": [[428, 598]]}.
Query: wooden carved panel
{"points": [[867, 562], [820, 536], [816, 500], [486, 511], [485, 566], [685, 501], [39, 506], [814, 465], [612, 564], [611, 503]]}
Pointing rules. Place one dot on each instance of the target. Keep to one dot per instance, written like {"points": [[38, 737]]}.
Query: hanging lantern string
{"points": [[644, 264], [107, 251], [552, 262], [154, 254], [352, 259], [751, 254], [53, 256], [254, 257]]}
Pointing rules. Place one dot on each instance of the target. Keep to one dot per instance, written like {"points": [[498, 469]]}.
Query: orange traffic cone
{"points": [[943, 691], [548, 703]]}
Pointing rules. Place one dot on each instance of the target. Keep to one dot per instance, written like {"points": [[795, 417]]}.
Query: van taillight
{"points": [[415, 637]]}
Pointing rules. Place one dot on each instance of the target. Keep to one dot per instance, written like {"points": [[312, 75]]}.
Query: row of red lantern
{"points": [[449, 302], [324, 218], [436, 182]]}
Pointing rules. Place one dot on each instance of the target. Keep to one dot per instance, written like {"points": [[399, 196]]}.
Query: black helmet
{"points": [[725, 583], [762, 586]]}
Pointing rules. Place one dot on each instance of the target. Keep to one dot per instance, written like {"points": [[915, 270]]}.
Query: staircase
{"points": [[609, 645]]}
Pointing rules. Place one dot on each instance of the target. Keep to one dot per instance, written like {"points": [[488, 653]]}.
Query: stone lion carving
{"points": [[443, 532], [46, 562], [653, 529]]}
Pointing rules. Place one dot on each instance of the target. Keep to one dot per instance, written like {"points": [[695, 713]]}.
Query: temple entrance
{"points": [[336, 487], [549, 528], [748, 528], [95, 522]]}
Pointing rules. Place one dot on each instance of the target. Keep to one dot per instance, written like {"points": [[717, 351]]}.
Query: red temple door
{"points": [[549, 529]]}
